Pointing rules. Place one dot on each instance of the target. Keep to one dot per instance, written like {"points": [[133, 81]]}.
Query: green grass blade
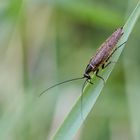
{"points": [[73, 121]]}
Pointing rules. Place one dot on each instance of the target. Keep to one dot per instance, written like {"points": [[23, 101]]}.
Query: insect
{"points": [[100, 59]]}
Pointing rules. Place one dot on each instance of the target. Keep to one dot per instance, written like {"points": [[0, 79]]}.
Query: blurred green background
{"points": [[44, 42]]}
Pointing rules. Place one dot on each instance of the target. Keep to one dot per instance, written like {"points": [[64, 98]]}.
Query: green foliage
{"points": [[74, 120], [44, 42]]}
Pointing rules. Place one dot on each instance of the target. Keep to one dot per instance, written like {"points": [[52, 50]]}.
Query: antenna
{"points": [[61, 84]]}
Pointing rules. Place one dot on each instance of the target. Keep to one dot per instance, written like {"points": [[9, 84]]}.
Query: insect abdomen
{"points": [[106, 48]]}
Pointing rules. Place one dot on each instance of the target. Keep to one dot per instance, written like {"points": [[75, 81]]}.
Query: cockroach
{"points": [[100, 59]]}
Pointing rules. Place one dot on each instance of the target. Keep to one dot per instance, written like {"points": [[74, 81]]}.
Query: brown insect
{"points": [[100, 59], [103, 54]]}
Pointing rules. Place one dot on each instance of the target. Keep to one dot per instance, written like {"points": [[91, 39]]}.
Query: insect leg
{"points": [[115, 51], [105, 65], [99, 75]]}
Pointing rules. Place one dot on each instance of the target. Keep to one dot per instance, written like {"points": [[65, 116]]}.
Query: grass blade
{"points": [[73, 121]]}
